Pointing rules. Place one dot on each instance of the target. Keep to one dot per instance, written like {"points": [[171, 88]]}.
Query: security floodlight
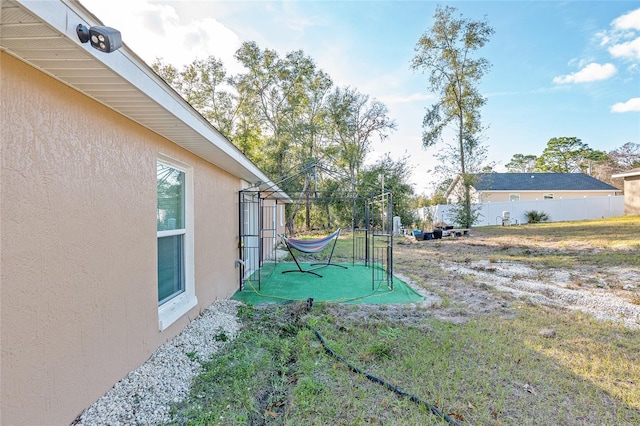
{"points": [[105, 39]]}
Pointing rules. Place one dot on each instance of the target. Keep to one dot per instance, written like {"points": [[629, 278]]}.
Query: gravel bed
{"points": [[144, 396], [520, 281]]}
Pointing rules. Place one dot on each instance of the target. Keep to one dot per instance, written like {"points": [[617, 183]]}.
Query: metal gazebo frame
{"points": [[261, 215]]}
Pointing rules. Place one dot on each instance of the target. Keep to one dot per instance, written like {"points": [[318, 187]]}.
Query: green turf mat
{"points": [[351, 285]]}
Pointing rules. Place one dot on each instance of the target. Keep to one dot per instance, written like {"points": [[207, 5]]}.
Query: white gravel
{"points": [[143, 397], [554, 289]]}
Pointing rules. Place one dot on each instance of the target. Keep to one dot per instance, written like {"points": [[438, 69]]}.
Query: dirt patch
{"points": [[463, 277]]}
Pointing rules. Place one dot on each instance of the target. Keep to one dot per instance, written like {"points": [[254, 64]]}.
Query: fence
{"points": [[559, 210]]}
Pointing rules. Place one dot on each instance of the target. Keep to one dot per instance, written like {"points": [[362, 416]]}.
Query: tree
{"points": [[626, 157], [168, 73], [285, 97], [521, 163], [284, 114], [353, 122], [263, 92], [619, 160], [288, 99], [564, 155], [206, 86], [396, 179], [592, 161], [445, 53]]}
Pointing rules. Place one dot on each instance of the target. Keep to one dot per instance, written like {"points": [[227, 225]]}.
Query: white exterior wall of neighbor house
{"points": [[79, 245], [455, 191], [559, 210], [499, 196]]}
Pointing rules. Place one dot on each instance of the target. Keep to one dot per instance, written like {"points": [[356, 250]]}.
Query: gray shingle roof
{"points": [[540, 182]]}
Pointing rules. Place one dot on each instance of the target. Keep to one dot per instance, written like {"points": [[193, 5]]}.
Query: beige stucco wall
{"points": [[632, 195], [539, 195], [79, 246]]}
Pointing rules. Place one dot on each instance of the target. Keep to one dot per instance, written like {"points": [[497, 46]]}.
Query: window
{"points": [[174, 218], [514, 197], [547, 196], [281, 214], [171, 231]]}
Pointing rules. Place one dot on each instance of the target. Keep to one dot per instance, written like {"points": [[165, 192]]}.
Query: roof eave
{"points": [[145, 97], [630, 173]]}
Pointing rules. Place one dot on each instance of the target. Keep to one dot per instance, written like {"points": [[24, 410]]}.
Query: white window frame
{"points": [[281, 214], [173, 309], [515, 197]]}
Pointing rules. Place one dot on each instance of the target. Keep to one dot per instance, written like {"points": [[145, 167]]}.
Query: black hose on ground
{"points": [[389, 386]]}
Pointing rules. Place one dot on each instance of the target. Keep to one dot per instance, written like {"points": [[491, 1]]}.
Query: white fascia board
{"points": [[627, 174]]}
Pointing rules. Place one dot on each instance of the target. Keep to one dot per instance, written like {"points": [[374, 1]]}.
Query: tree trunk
{"points": [[465, 178]]}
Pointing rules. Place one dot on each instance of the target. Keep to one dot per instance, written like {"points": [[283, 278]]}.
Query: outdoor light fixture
{"points": [[105, 39]]}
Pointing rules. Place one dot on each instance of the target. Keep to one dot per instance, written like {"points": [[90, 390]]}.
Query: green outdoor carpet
{"points": [[351, 285]]}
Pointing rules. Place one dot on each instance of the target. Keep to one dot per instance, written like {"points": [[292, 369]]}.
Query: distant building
{"points": [[496, 187], [631, 191]]}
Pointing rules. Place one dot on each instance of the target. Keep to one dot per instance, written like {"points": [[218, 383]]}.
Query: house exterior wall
{"points": [[78, 259], [559, 210], [632, 195], [498, 196]]}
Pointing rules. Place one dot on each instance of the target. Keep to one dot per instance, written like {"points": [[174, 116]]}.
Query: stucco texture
{"points": [[78, 270]]}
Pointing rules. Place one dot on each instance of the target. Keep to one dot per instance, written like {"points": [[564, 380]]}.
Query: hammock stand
{"points": [[312, 246]]}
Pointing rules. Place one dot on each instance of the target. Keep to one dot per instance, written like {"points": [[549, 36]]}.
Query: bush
{"points": [[537, 217]]}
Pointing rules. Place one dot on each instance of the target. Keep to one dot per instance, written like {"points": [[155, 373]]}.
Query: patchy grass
{"points": [[598, 243], [505, 363], [490, 370], [598, 232]]}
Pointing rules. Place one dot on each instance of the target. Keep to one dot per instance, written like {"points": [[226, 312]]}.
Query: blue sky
{"points": [[559, 68]]}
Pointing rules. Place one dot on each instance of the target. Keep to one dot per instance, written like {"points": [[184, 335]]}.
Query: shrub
{"points": [[537, 217]]}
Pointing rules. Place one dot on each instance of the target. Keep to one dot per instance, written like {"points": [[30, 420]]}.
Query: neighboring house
{"points": [[119, 213], [496, 187], [631, 191]]}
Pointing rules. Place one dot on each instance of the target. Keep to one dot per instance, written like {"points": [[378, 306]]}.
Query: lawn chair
{"points": [[311, 246]]}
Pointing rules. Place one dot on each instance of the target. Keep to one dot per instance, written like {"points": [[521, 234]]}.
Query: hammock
{"points": [[311, 246]]}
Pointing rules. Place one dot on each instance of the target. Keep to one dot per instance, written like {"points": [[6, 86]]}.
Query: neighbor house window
{"points": [[547, 196], [175, 241], [514, 197]]}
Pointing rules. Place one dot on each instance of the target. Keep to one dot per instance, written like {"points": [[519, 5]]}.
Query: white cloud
{"points": [[152, 30], [591, 72], [630, 49], [628, 21], [622, 39], [604, 38], [631, 105]]}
